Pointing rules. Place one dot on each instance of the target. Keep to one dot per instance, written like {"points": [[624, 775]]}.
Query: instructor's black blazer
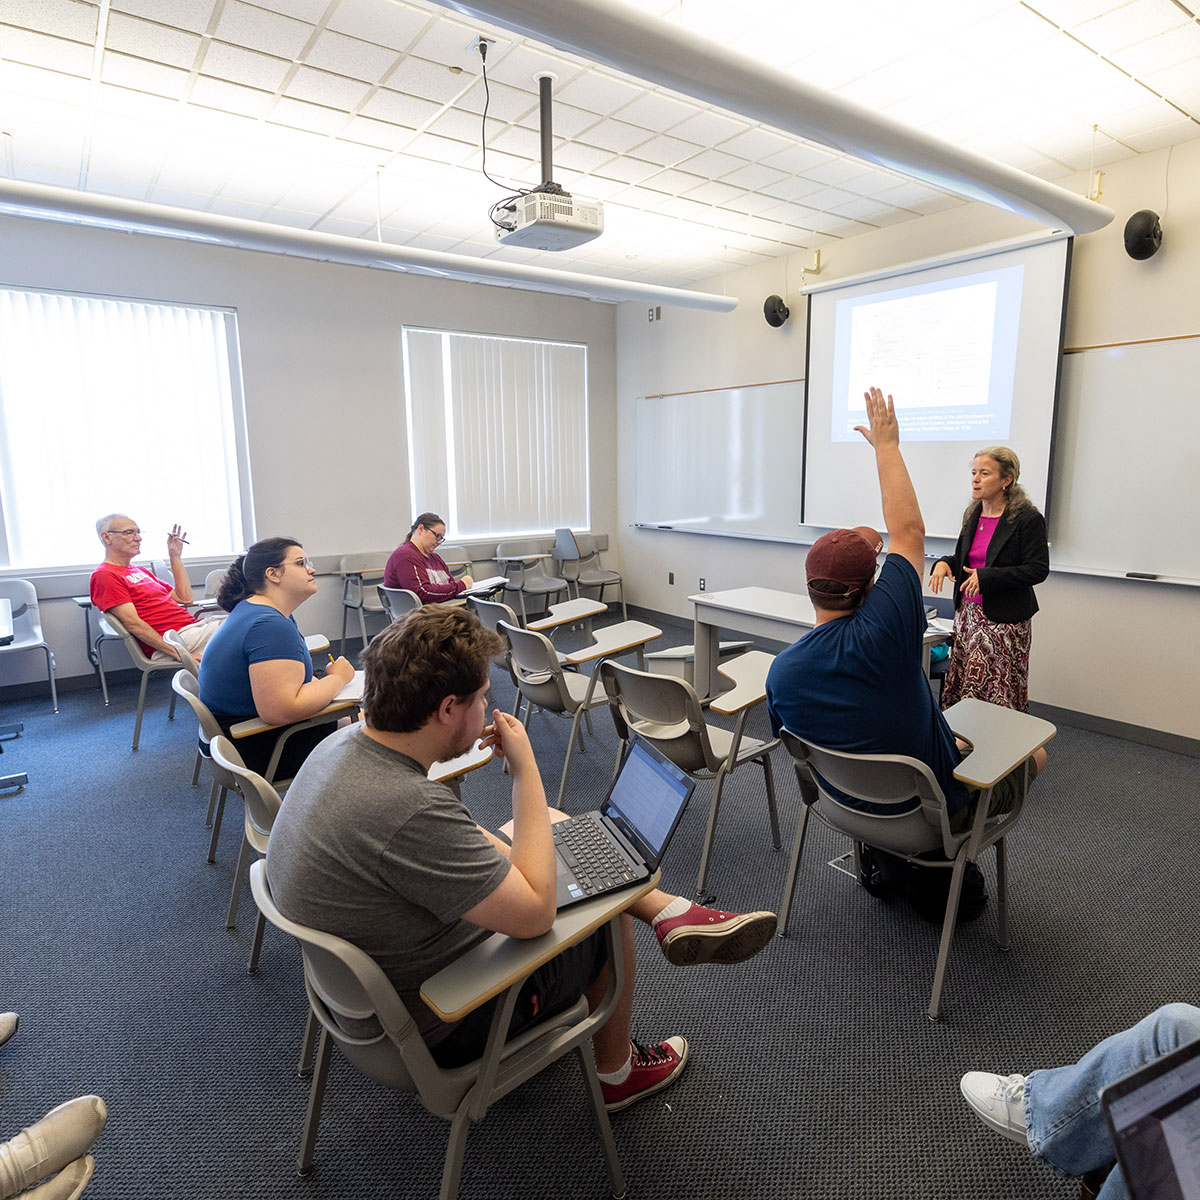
{"points": [[1018, 556]]}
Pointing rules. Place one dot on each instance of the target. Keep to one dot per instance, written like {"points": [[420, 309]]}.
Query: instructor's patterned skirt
{"points": [[987, 661]]}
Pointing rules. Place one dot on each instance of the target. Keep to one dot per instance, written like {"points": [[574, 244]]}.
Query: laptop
{"points": [[1154, 1118], [623, 841]]}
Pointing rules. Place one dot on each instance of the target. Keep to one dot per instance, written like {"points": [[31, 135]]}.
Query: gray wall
{"points": [[321, 361], [1113, 648]]}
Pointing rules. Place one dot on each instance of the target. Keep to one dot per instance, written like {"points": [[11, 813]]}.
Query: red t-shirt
{"points": [[151, 598]]}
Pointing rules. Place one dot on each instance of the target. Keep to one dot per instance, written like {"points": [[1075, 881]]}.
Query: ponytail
{"points": [[247, 574], [427, 519]]}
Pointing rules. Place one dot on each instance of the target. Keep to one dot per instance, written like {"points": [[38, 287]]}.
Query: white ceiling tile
{"points": [[1170, 80], [320, 192], [243, 25], [579, 157], [33, 83], [937, 203], [393, 25], [303, 10], [172, 47], [376, 133], [1128, 25], [49, 53], [655, 111], [615, 136], [140, 110], [567, 122], [800, 159], [433, 81], [194, 16], [1157, 53], [756, 144], [1182, 130], [862, 208], [713, 163], [440, 149], [231, 97], [678, 183], [506, 103], [1000, 35], [345, 227], [245, 210], [247, 67], [61, 18], [628, 170], [708, 128], [684, 210], [348, 56], [751, 203], [1068, 13], [599, 92], [110, 184], [125, 71], [665, 150], [1145, 116], [262, 183], [399, 109], [323, 87], [835, 171], [517, 67], [512, 139], [849, 229], [752, 175], [33, 171], [311, 117], [463, 126], [712, 192], [449, 41]]}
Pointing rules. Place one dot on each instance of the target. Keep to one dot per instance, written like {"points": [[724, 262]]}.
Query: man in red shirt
{"points": [[145, 605]]}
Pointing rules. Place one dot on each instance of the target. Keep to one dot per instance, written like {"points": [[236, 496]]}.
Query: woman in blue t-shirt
{"points": [[257, 665]]}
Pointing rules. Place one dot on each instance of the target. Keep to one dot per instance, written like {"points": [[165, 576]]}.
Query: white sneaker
{"points": [[999, 1100]]}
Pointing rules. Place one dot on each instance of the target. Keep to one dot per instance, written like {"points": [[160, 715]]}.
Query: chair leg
{"points": [[212, 803], [171, 706], [587, 1063], [345, 617], [789, 886], [256, 944], [216, 824], [706, 852], [776, 837], [316, 1094], [362, 626], [456, 1147], [1002, 893], [137, 724], [308, 1046], [239, 877], [562, 787], [100, 669], [50, 676], [948, 923], [621, 597], [196, 769]]}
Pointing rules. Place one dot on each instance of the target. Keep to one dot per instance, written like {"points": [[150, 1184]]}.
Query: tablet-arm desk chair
{"points": [[397, 602], [352, 568], [457, 558], [27, 626], [666, 712], [579, 563], [261, 802], [347, 990], [525, 567], [910, 817], [145, 663]]}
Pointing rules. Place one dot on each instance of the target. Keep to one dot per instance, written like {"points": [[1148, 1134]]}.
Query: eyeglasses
{"points": [[438, 538], [306, 563], [126, 532]]}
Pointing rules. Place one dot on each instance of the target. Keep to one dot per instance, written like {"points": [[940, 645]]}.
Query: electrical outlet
{"points": [[652, 313], [671, 577], [702, 583]]}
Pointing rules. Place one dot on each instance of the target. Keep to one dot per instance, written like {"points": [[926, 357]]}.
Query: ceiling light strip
{"points": [[660, 52], [47, 203]]}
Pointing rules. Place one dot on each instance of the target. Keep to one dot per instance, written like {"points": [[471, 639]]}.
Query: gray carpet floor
{"points": [[814, 1071]]}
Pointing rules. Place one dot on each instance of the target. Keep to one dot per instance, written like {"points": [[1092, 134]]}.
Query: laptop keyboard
{"points": [[585, 848]]}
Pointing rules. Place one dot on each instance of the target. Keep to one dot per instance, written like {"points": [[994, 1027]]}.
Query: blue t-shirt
{"points": [[856, 684], [252, 633]]}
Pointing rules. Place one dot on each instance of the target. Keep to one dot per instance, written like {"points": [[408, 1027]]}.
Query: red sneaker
{"points": [[703, 935], [653, 1068]]}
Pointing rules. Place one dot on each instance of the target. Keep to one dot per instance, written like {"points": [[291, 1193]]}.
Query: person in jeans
{"points": [[1056, 1113]]}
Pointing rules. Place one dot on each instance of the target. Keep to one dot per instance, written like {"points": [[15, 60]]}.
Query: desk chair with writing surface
{"points": [[27, 626], [347, 990], [397, 602], [147, 664], [457, 558], [352, 568], [666, 712], [579, 562], [910, 817], [525, 566], [490, 614]]}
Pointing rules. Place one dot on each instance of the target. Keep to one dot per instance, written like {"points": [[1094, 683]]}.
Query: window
{"points": [[112, 405], [497, 432]]}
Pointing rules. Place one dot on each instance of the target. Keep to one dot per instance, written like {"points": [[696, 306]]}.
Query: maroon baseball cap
{"points": [[845, 559]]}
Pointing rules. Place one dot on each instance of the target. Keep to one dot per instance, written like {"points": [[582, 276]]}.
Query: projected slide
{"points": [[947, 350]]}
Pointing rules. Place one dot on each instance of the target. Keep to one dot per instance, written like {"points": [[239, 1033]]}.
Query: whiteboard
{"points": [[1125, 450], [726, 460]]}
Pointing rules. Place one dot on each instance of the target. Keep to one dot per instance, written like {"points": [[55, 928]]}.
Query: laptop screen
{"points": [[1154, 1115], [647, 799]]}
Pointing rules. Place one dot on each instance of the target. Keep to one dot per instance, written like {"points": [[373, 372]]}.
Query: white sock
{"points": [[676, 908], [620, 1074]]}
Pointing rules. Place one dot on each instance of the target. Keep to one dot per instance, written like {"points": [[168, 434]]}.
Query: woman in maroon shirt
{"points": [[1001, 553], [416, 565]]}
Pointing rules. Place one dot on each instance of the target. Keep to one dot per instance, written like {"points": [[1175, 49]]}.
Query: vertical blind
{"points": [[110, 405], [497, 432]]}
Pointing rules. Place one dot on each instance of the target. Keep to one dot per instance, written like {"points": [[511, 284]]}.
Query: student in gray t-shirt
{"points": [[366, 847]]}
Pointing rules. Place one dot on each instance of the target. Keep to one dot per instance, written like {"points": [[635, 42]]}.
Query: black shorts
{"points": [[553, 987]]}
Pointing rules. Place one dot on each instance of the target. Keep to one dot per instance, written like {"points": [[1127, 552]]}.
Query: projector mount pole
{"points": [[545, 81]]}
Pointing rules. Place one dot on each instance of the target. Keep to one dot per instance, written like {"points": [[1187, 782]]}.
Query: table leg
{"points": [[706, 647]]}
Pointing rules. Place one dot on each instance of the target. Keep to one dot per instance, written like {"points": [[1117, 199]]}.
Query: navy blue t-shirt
{"points": [[856, 684], [252, 633]]}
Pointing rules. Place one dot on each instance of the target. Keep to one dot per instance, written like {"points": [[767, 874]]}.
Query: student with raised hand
{"points": [[1001, 553], [257, 664], [416, 565]]}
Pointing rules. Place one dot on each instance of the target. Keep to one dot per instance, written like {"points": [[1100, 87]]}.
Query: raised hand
{"points": [[884, 429], [175, 541]]}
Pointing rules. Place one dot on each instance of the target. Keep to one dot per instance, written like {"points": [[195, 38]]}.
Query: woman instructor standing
{"points": [[1001, 553]]}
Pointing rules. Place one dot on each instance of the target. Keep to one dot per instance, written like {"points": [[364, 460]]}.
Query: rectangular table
{"points": [[761, 612]]}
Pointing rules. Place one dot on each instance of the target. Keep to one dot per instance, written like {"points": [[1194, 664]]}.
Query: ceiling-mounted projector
{"points": [[549, 221]]}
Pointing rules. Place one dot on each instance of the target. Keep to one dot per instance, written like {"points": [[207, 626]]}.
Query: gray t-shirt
{"points": [[367, 848]]}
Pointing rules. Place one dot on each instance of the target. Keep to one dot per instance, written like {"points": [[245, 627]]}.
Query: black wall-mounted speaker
{"points": [[1143, 234], [775, 311]]}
